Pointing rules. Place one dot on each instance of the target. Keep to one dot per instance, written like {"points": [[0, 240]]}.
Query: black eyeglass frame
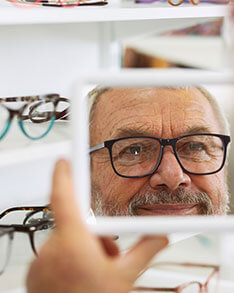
{"points": [[28, 226], [163, 142], [25, 227], [30, 229]]}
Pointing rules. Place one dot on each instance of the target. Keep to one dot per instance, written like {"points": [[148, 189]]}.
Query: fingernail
{"points": [[63, 166]]}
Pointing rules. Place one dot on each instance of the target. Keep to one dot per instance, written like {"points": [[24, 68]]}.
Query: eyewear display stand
{"points": [[115, 10], [43, 50]]}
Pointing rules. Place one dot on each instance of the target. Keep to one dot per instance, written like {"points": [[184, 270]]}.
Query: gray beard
{"points": [[110, 207]]}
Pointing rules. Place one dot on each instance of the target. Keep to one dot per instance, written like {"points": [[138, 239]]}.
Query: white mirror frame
{"points": [[80, 149]]}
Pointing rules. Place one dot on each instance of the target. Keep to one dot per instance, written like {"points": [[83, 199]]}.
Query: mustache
{"points": [[167, 197]]}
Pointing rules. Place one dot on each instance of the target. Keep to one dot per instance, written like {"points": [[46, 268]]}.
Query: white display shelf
{"points": [[114, 11], [15, 148], [155, 77], [37, 152]]}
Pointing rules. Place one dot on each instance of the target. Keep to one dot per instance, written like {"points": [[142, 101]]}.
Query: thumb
{"points": [[63, 201]]}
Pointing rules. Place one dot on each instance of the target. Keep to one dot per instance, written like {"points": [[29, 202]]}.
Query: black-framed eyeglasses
{"points": [[140, 156], [37, 222], [36, 116]]}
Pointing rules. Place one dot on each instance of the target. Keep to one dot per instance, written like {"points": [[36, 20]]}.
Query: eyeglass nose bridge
{"points": [[167, 141], [16, 112], [12, 113]]}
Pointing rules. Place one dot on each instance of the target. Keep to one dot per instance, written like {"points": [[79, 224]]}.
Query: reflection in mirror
{"points": [[159, 151]]}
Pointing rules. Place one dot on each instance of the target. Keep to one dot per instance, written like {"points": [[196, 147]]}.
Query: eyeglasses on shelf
{"points": [[24, 214], [58, 3], [209, 286], [171, 2], [179, 2], [36, 116], [140, 156], [37, 222]]}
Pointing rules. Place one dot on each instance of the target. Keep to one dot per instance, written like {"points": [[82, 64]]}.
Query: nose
{"points": [[169, 173]]}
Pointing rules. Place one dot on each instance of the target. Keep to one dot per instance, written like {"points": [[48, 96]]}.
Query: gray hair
{"points": [[94, 95]]}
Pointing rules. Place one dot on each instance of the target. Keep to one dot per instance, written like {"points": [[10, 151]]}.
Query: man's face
{"points": [[163, 113]]}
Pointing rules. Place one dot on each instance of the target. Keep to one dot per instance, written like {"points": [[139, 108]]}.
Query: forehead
{"points": [[162, 112]]}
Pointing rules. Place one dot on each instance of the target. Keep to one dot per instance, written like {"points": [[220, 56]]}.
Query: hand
{"points": [[73, 260]]}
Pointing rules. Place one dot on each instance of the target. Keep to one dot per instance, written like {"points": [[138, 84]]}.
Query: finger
{"points": [[109, 246], [63, 201], [141, 254]]}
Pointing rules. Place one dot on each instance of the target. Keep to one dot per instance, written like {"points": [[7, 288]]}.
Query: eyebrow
{"points": [[132, 131], [198, 129], [141, 131]]}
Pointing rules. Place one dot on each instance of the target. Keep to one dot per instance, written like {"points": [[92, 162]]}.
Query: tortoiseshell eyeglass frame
{"points": [[179, 289], [36, 101]]}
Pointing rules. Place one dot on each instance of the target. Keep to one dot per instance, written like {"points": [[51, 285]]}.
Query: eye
{"points": [[133, 150], [191, 147], [195, 146]]}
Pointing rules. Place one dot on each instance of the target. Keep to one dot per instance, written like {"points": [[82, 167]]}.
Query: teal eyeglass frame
{"points": [[47, 116]]}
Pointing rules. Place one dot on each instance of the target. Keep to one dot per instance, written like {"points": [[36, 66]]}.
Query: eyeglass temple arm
{"points": [[4, 229], [29, 215], [185, 264], [34, 208], [63, 115], [27, 227], [59, 115], [155, 289], [96, 147], [28, 98]]}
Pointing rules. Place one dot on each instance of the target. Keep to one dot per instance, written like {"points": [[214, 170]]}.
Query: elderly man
{"points": [[157, 151]]}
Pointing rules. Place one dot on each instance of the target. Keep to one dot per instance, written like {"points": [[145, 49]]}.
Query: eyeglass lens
{"points": [[41, 235], [192, 288], [139, 156], [23, 217], [135, 156], [213, 283], [36, 118], [5, 246], [4, 120], [43, 231], [211, 286], [200, 153]]}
